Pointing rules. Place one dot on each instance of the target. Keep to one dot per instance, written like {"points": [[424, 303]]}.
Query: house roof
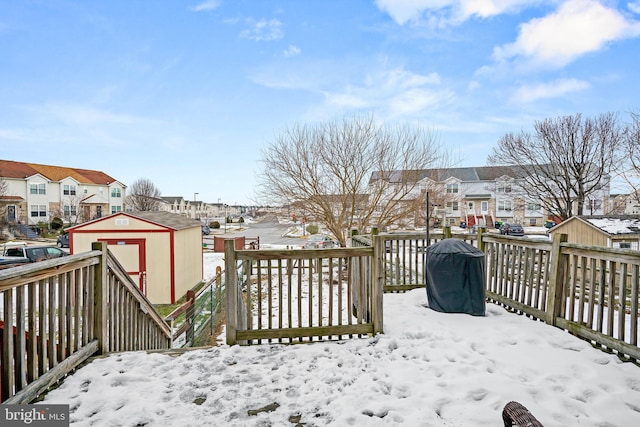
{"points": [[22, 170], [172, 199], [466, 174]]}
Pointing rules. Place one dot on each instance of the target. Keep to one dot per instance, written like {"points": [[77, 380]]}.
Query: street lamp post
{"points": [[225, 218]]}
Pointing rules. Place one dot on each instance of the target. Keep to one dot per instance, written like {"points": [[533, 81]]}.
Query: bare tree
{"points": [[632, 151], [349, 173], [565, 161], [4, 191], [144, 195]]}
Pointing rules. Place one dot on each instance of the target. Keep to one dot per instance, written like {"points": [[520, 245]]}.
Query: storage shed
{"points": [[611, 231], [161, 251]]}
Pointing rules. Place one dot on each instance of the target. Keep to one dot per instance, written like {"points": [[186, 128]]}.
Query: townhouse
{"points": [[35, 193]]}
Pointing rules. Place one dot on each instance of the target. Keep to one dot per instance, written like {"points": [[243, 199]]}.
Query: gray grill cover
{"points": [[455, 277]]}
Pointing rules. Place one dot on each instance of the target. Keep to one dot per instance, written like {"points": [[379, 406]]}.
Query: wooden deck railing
{"points": [[591, 291], [57, 313], [302, 295], [404, 255]]}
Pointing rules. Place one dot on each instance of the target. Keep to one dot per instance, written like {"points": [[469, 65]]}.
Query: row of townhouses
{"points": [[33, 193], [486, 195], [196, 209]]}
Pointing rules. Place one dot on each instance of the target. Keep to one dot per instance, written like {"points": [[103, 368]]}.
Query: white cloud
{"points": [[634, 6], [263, 30], [292, 51], [448, 12], [206, 5], [403, 11], [396, 92], [577, 28], [530, 93], [81, 115]]}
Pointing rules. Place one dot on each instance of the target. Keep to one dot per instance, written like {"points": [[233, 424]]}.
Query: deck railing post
{"points": [[555, 298], [231, 288], [377, 281], [480, 238], [101, 289]]}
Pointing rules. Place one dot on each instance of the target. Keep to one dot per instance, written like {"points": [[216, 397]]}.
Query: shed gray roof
{"points": [[167, 219], [615, 225]]}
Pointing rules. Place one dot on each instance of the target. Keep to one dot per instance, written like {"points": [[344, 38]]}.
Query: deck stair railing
{"points": [[55, 314], [193, 322]]}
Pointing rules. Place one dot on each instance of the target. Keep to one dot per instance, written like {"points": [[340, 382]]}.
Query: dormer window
{"points": [[452, 188]]}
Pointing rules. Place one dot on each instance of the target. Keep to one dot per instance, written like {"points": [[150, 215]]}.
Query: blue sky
{"points": [[188, 92]]}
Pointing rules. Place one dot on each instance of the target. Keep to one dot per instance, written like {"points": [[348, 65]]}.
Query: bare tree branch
{"points": [[144, 195], [564, 161], [328, 170]]}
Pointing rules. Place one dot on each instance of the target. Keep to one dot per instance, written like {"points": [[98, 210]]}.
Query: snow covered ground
{"points": [[427, 369]]}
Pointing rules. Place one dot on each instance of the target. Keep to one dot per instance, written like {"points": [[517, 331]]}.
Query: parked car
{"points": [[63, 241], [319, 241], [35, 253], [511, 229]]}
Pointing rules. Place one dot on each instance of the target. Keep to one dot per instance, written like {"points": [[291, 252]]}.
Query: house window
{"points": [[533, 222], [38, 210], [595, 204], [116, 209], [452, 207], [116, 192], [505, 205], [452, 188], [484, 206], [70, 210], [37, 189], [533, 206], [69, 190], [504, 187], [625, 245]]}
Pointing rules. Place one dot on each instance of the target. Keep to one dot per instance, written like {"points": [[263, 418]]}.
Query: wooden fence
{"points": [[57, 313], [589, 291], [302, 295]]}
